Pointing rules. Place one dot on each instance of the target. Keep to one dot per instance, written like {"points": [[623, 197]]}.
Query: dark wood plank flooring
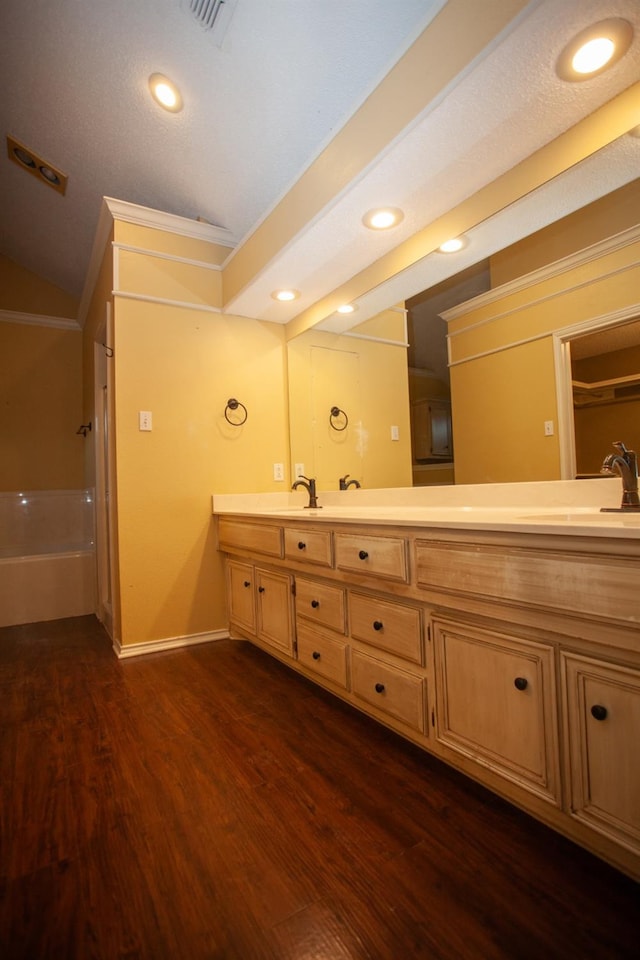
{"points": [[210, 803]]}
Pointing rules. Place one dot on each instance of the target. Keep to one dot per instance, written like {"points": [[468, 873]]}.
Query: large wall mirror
{"points": [[484, 375]]}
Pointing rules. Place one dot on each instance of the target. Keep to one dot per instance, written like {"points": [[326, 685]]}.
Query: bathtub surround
{"points": [[47, 555]]}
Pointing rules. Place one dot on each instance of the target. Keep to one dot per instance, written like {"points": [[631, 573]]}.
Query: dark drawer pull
{"points": [[377, 625], [315, 655], [315, 604], [598, 712], [260, 589], [379, 687], [301, 545], [247, 583], [521, 683], [363, 554]]}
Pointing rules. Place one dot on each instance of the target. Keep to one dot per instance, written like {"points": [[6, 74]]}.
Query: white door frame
{"points": [[104, 478], [564, 388]]}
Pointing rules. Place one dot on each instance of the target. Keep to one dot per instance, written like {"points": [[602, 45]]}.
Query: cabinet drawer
{"points": [[325, 655], [388, 689], [321, 603], [390, 626], [312, 546], [257, 537], [378, 556]]}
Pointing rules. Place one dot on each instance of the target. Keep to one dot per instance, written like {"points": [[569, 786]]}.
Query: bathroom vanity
{"points": [[504, 640]]}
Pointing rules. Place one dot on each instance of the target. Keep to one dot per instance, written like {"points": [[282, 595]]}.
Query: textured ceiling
{"points": [[263, 97]]}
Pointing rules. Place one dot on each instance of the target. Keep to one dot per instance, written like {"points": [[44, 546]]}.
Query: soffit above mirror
{"points": [[502, 108]]}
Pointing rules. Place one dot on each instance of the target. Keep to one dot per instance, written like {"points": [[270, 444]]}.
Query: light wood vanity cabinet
{"points": [[241, 596], [323, 653], [491, 650], [260, 604], [602, 722], [323, 603], [497, 705], [388, 688]]}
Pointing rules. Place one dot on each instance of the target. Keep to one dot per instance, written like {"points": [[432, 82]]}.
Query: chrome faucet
{"points": [[625, 462], [310, 487], [352, 483]]}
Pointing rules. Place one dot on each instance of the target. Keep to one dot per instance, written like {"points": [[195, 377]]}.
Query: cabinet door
{"points": [[496, 704], [602, 719], [274, 609], [240, 580]]}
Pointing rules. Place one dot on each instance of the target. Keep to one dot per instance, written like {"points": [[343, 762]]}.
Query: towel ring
{"points": [[233, 404], [337, 412]]}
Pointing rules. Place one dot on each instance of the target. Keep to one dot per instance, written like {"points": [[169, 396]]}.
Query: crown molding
{"points": [[170, 222], [126, 212], [38, 319], [549, 271]]}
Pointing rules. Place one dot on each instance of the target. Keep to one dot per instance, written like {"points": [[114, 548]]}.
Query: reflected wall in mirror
{"points": [[364, 373], [507, 376]]}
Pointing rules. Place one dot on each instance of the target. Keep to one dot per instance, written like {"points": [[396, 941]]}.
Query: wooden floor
{"points": [[209, 803]]}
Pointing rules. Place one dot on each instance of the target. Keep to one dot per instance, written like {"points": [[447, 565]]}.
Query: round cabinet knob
{"points": [[315, 604], [379, 688], [377, 624], [301, 545], [260, 589], [363, 554], [521, 683], [315, 655], [247, 583], [598, 712]]}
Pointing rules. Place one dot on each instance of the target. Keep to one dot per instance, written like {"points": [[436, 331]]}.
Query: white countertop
{"points": [[560, 507]]}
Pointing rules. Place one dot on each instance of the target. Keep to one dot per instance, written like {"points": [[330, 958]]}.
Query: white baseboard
{"points": [[170, 643]]}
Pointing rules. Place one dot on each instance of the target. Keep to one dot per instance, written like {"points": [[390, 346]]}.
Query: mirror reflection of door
{"points": [[605, 373], [339, 441]]}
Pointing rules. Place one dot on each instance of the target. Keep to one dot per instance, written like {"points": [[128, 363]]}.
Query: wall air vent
{"points": [[211, 13]]}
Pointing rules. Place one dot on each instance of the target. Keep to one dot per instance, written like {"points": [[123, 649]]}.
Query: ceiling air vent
{"points": [[210, 13]]}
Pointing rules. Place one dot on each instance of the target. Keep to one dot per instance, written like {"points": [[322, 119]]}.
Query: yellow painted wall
{"points": [[503, 378], [40, 386], [500, 403], [183, 365], [40, 408], [383, 401], [26, 292]]}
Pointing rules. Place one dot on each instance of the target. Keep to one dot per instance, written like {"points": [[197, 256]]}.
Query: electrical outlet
{"points": [[299, 470], [395, 433], [145, 420], [278, 471], [548, 428]]}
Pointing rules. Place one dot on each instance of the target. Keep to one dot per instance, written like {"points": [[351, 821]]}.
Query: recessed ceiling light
{"points": [[284, 296], [346, 308], [49, 175], [165, 92], [453, 245], [24, 157], [595, 49], [30, 161], [382, 218]]}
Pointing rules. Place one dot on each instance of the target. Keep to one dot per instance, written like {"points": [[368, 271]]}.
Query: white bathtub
{"points": [[47, 556]]}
